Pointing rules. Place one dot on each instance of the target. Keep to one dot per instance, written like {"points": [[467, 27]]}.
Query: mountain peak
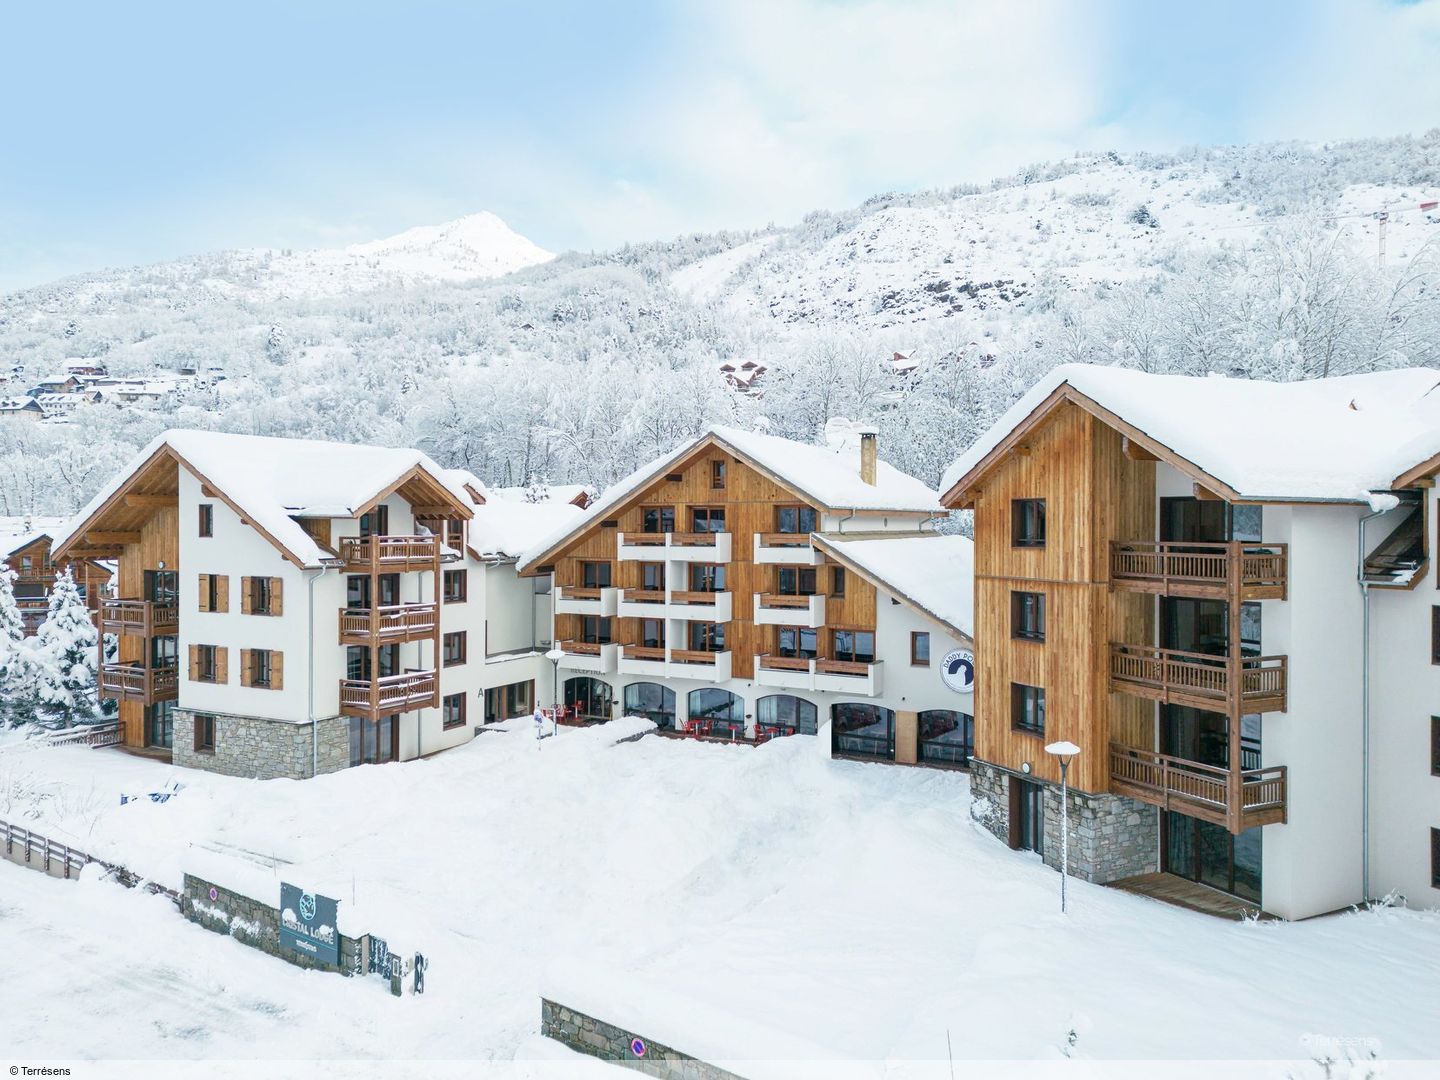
{"points": [[476, 245]]}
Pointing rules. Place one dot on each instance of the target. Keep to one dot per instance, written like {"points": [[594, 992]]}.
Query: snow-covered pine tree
{"points": [[65, 657], [16, 706], [537, 490]]}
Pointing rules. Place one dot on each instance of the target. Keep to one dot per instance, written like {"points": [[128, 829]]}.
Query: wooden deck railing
{"points": [[1256, 571], [143, 617], [784, 663], [785, 539], [783, 600], [646, 539], [579, 592], [1199, 790], [643, 652], [690, 539], [108, 734], [692, 656], [389, 552], [583, 648], [842, 667], [1166, 674], [132, 682], [695, 596], [643, 596], [389, 694], [397, 622]]}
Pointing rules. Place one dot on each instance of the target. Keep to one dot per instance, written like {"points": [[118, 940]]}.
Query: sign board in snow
{"points": [[307, 924], [957, 671]]}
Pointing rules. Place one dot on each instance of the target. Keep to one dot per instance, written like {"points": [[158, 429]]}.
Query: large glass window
{"points": [[1209, 854], [1027, 615], [707, 519], [785, 714], [946, 737], [705, 577], [717, 711], [1027, 815], [588, 698], [652, 701], [795, 580], [1027, 708], [657, 519], [508, 702], [707, 637], [855, 646], [357, 661], [796, 519], [796, 641], [595, 575], [373, 742], [376, 522], [595, 629], [652, 633], [160, 725], [162, 586], [863, 730], [652, 576]]}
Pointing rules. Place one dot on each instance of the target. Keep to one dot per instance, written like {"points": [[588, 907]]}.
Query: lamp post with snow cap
{"points": [[1064, 751], [555, 655]]}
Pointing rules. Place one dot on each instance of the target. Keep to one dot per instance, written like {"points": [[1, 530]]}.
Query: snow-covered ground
{"points": [[745, 900]]}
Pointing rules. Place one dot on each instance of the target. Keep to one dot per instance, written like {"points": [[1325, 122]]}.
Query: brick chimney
{"points": [[869, 454]]}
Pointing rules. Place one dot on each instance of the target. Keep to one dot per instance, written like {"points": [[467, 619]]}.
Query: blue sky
{"points": [[139, 132]]}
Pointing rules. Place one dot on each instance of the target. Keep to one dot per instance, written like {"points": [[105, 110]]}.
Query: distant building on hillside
{"points": [[743, 376], [20, 409]]}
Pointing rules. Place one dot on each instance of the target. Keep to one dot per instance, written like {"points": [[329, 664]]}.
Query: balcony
{"points": [[786, 549], [700, 606], [1199, 680], [387, 625], [701, 547], [32, 614], [642, 604], [644, 660], [142, 618], [1201, 791], [826, 676], [773, 609], [585, 600], [134, 682], [589, 657], [389, 554], [389, 694], [1214, 571], [699, 664]]}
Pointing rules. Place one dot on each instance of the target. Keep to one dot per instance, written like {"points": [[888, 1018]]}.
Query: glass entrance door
{"points": [[1028, 806], [1204, 852]]}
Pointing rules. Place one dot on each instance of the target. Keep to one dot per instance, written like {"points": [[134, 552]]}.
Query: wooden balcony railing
{"points": [[145, 618], [387, 695], [1239, 570], [1199, 679], [390, 553], [579, 592], [582, 648], [132, 682], [784, 663], [1198, 790], [695, 596], [693, 656], [643, 596], [395, 623], [646, 539], [690, 539], [784, 600], [785, 539], [642, 652], [842, 667]]}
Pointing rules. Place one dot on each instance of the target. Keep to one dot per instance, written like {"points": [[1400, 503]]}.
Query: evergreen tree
{"points": [[16, 704], [65, 658]]}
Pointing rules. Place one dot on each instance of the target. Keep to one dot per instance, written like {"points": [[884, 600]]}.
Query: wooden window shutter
{"points": [[245, 667], [277, 596], [277, 670], [222, 594], [204, 594], [222, 663], [245, 603], [195, 660]]}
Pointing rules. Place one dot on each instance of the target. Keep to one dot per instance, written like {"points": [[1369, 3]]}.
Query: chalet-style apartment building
{"points": [[286, 608], [746, 586], [1220, 590], [27, 554]]}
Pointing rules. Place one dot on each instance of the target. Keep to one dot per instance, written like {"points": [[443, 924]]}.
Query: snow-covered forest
{"points": [[1260, 261]]}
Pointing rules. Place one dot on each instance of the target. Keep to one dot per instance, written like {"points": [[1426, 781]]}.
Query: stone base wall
{"points": [[257, 924], [263, 749], [1111, 837], [603, 1040]]}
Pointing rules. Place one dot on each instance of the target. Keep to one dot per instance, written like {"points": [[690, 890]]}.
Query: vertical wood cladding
{"points": [[1093, 494], [750, 501], [159, 542]]}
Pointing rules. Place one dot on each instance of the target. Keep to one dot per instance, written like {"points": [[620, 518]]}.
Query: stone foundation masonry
{"points": [[604, 1040], [264, 749]]}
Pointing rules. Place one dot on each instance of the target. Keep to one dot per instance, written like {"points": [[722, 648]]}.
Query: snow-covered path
{"points": [[857, 906]]}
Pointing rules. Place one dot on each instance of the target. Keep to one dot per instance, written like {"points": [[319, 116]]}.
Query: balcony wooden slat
{"points": [[692, 656], [1184, 678], [644, 596], [1195, 789], [387, 695], [842, 667], [1216, 570], [390, 553], [393, 623], [784, 663], [643, 652], [785, 539], [689, 539], [781, 600], [694, 597]]}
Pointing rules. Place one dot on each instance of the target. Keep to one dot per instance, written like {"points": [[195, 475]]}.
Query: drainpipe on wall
{"points": [[1364, 705], [310, 673]]}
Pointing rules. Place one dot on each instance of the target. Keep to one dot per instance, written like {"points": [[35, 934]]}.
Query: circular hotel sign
{"points": [[957, 671]]}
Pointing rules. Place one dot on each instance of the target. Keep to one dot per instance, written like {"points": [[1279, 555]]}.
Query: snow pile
{"points": [[934, 572], [1324, 439]]}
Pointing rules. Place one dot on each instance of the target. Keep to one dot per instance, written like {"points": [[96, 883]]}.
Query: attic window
{"points": [[674, 477], [717, 475], [611, 523]]}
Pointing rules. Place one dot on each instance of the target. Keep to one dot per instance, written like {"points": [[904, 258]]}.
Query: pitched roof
{"points": [[828, 477], [1317, 440], [934, 574], [272, 481]]}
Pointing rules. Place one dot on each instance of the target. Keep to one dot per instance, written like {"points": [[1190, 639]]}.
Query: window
{"points": [[452, 711], [859, 728], [590, 699], [797, 642], [718, 711], [1027, 523], [1435, 746], [359, 667], [652, 633], [505, 702], [214, 592], [1027, 616], [263, 669], [376, 522], [456, 583], [837, 581], [707, 637], [453, 648], [204, 734], [795, 580], [796, 519], [652, 701], [786, 714], [595, 575], [1435, 635], [657, 519], [707, 519], [160, 725], [1435, 858], [1027, 709], [854, 646], [595, 629], [652, 576], [945, 737], [717, 475], [262, 596], [207, 519], [919, 648], [206, 669], [705, 577]]}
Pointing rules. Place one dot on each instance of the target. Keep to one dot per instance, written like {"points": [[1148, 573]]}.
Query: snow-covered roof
{"points": [[562, 493], [829, 476], [274, 480], [931, 572], [1326, 440], [505, 529]]}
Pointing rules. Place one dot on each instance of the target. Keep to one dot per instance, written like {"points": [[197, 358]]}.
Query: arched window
{"points": [[862, 730], [717, 712], [652, 701], [785, 714], [946, 737], [590, 698]]}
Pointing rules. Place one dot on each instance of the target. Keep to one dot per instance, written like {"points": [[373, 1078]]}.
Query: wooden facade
{"points": [[35, 574]]}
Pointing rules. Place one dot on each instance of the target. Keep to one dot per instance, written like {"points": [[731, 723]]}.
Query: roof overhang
{"points": [[836, 550]]}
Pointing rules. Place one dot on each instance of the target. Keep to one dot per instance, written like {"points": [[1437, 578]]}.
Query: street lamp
{"points": [[1064, 751], [555, 655]]}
